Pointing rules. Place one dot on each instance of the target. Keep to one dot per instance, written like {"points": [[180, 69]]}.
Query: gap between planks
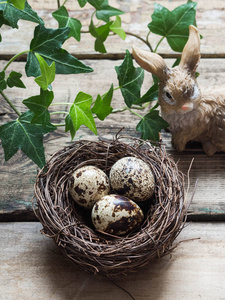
{"points": [[113, 56]]}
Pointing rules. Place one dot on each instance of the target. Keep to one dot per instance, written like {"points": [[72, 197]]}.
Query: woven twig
{"points": [[70, 225]]}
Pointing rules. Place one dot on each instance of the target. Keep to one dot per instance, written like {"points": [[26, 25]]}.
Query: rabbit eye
{"points": [[168, 98], [168, 95]]}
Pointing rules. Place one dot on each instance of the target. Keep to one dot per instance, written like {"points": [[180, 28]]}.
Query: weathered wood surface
{"points": [[18, 174], [31, 267], [210, 19]]}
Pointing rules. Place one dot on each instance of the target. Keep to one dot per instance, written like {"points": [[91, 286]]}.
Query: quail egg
{"points": [[116, 215], [133, 178], [87, 185]]}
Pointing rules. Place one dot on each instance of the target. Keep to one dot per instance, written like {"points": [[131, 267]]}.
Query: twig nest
{"points": [[133, 178], [87, 185], [69, 224]]}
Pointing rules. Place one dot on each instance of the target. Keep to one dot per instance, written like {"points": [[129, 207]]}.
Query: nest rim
{"points": [[100, 253]]}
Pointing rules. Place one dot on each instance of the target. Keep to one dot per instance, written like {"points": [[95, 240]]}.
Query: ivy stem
{"points": [[140, 38], [133, 112], [59, 125], [64, 2], [59, 112], [133, 107], [58, 3], [14, 58], [156, 48], [10, 103], [60, 103]]}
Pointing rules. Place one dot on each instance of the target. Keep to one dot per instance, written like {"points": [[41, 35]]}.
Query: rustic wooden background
{"points": [[30, 265]]}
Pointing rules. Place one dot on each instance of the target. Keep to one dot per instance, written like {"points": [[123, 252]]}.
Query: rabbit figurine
{"points": [[192, 115]]}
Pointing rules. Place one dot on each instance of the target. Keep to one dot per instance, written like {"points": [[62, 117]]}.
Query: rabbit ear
{"points": [[151, 62], [191, 53]]}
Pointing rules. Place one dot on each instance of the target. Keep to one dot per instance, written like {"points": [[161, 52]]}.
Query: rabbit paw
{"points": [[179, 147], [209, 148]]}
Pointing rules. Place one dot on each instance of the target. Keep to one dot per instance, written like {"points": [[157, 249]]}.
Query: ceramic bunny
{"points": [[192, 115]]}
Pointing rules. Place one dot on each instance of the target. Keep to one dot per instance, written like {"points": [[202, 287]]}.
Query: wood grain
{"points": [[18, 174], [31, 267], [210, 20]]}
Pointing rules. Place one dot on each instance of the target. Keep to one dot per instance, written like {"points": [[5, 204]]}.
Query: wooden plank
{"points": [[18, 174], [31, 267], [210, 20]]}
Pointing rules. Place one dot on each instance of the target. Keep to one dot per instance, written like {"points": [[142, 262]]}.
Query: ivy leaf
{"points": [[82, 3], [39, 106], [102, 107], [116, 27], [12, 14], [62, 16], [14, 80], [48, 43], [3, 84], [130, 80], [20, 4], [70, 127], [103, 10], [100, 33], [173, 25], [47, 73], [2, 19], [80, 114], [151, 94], [150, 126], [21, 134]]}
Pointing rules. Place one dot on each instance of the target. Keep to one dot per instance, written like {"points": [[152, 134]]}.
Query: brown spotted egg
{"points": [[87, 185], [133, 178], [116, 215]]}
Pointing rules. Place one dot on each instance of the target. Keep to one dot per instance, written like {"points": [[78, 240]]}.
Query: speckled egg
{"points": [[87, 185], [116, 215], [133, 178]]}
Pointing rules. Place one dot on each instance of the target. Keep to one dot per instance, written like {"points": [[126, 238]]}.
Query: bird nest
{"points": [[70, 226]]}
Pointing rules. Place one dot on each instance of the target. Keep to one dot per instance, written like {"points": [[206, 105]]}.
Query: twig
{"points": [[123, 289]]}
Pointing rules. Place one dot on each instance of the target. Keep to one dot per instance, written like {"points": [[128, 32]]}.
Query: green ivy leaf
{"points": [[48, 43], [3, 21], [21, 134], [12, 14], [151, 94], [116, 27], [47, 73], [70, 127], [102, 107], [130, 80], [62, 16], [14, 80], [173, 25], [39, 106], [103, 10], [82, 3], [100, 33], [80, 114], [3, 84], [150, 126], [20, 4]]}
